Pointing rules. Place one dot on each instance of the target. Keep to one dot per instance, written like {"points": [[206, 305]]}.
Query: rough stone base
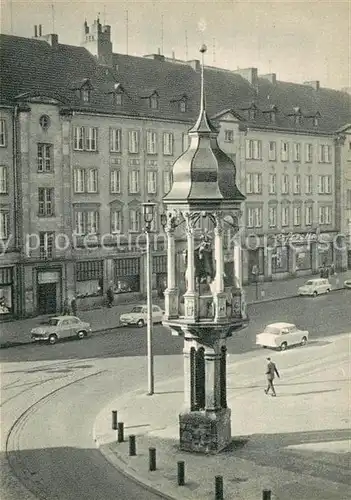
{"points": [[205, 431]]}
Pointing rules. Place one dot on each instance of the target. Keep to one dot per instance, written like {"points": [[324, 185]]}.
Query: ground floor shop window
{"points": [[6, 306], [280, 260], [303, 258], [256, 263], [127, 275], [89, 278]]}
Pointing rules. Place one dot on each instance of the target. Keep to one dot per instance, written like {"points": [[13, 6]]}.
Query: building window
{"points": [[308, 184], [44, 158], [127, 275], [117, 98], [280, 260], [151, 142], [46, 202], [134, 181], [272, 216], [308, 215], [89, 278], [151, 182], [254, 183], [297, 216], [92, 180], [6, 290], [85, 95], [116, 222], [297, 184], [284, 151], [44, 122], [228, 136], [185, 142], [115, 140], [3, 133], [167, 181], [272, 152], [133, 141], [285, 184], [272, 184], [324, 184], [253, 149], [324, 215], [296, 151], [153, 102], [167, 143], [79, 180], [115, 181], [285, 216], [4, 225], [134, 221], [254, 217], [324, 153], [182, 106], [3, 180], [87, 222], [46, 244], [85, 139], [308, 153]]}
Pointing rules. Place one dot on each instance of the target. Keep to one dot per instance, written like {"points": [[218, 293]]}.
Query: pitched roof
{"points": [[32, 65]]}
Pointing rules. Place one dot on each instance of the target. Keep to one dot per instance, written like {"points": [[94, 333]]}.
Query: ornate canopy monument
{"points": [[203, 308]]}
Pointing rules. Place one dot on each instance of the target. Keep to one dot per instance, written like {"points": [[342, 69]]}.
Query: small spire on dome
{"points": [[203, 123]]}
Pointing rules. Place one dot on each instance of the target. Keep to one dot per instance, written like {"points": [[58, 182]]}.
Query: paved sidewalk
{"points": [[102, 319], [296, 445]]}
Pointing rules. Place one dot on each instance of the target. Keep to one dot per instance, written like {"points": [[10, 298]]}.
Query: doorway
{"points": [[47, 298]]}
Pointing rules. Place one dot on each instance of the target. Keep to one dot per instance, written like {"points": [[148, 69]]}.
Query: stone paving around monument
{"points": [[297, 445]]}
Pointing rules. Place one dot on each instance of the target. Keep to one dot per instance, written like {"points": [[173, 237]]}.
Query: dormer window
{"points": [[85, 95], [316, 121], [297, 115], [252, 113], [117, 99], [182, 106], [298, 120], [153, 101]]}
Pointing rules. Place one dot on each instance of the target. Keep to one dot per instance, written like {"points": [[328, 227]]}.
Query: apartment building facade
{"points": [[81, 150]]}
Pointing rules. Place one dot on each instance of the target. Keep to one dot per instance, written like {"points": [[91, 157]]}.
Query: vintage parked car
{"points": [[282, 335], [138, 316], [315, 287], [347, 284], [59, 327]]}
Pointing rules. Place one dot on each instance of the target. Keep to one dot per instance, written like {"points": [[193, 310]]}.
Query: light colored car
{"points": [[282, 335], [138, 316], [59, 327], [315, 287], [347, 284]]}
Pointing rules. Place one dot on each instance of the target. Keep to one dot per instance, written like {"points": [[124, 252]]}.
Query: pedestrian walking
{"points": [[66, 309], [110, 297], [271, 371], [74, 306]]}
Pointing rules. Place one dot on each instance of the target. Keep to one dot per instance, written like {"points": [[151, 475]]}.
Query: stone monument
{"points": [[204, 186]]}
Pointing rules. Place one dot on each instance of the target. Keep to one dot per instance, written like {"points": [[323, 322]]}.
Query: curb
{"points": [[6, 345]]}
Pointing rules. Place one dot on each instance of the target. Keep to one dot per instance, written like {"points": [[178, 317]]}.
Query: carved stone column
{"points": [[219, 297], [213, 378], [171, 292], [191, 297]]}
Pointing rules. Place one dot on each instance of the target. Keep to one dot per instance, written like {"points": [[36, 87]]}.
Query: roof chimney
{"points": [[271, 77], [314, 84], [40, 33], [35, 31], [173, 54], [159, 51]]}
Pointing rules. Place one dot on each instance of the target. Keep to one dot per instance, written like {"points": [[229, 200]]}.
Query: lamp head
{"points": [[148, 211]]}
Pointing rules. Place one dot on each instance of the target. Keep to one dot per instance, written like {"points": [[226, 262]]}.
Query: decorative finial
{"points": [[203, 49]]}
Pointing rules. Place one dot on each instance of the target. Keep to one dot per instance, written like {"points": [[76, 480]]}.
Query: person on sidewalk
{"points": [[66, 309], [271, 371], [110, 297], [74, 306]]}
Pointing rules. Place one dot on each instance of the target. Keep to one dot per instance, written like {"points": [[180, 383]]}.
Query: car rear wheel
{"points": [[53, 339], [328, 290], [283, 346], [81, 334], [140, 323], [304, 341], [315, 293]]}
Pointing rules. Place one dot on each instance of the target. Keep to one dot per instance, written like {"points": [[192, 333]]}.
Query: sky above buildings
{"points": [[299, 40]]}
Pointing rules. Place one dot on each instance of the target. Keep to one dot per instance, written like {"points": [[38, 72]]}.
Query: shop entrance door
{"points": [[47, 298]]}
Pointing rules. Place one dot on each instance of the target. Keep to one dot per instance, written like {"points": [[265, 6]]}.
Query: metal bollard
{"points": [[181, 473], [120, 432], [152, 459], [132, 447], [266, 495], [219, 488], [114, 420]]}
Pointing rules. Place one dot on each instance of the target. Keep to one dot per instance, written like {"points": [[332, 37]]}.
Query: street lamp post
{"points": [[255, 274], [148, 213]]}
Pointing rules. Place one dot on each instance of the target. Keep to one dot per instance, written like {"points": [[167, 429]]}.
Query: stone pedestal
{"points": [[191, 306], [171, 303], [205, 431]]}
